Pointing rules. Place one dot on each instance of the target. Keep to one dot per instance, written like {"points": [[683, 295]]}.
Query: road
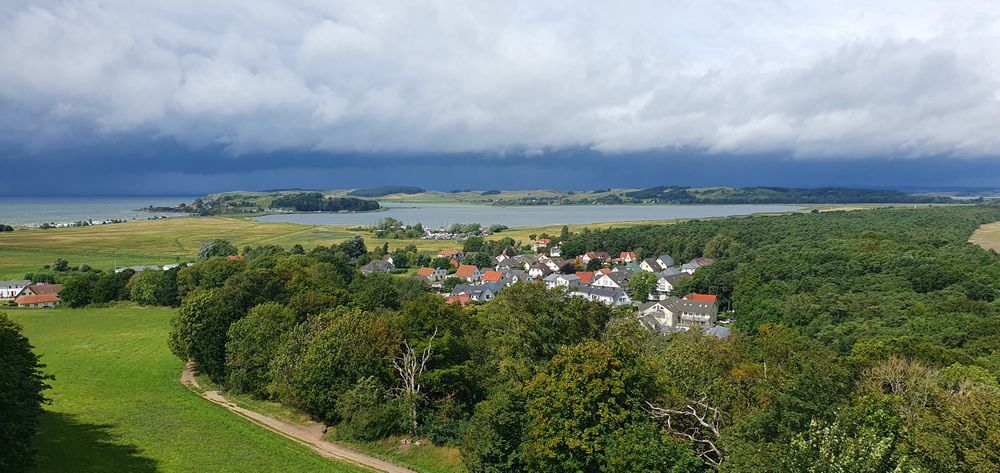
{"points": [[310, 434]]}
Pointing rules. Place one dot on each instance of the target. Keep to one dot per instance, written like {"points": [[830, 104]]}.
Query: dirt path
{"points": [[310, 434]]}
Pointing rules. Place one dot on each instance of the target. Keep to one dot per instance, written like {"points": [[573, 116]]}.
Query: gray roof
{"points": [[612, 292], [668, 272], [620, 277], [675, 278], [666, 259], [16, 283], [476, 291], [377, 266], [651, 262]]}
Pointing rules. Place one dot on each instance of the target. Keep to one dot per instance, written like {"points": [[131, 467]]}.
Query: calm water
{"points": [[38, 210], [437, 215]]}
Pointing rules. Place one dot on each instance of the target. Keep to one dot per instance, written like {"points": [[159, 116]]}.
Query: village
{"points": [[661, 311], [595, 276]]}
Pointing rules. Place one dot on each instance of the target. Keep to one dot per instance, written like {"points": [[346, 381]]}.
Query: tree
{"points": [[252, 343], [441, 262], [298, 250], [642, 284], [60, 265], [575, 406], [367, 414], [473, 244], [78, 290], [143, 287], [20, 397], [411, 365], [216, 247], [493, 442], [348, 346], [594, 264], [353, 247]]}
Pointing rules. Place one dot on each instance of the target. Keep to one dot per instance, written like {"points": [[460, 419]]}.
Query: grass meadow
{"points": [[117, 405]]}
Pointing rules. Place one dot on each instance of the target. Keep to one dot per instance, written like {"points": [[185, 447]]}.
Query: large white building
{"points": [[10, 289]]}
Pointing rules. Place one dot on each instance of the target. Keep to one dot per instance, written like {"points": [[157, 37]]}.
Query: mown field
{"points": [[987, 236], [117, 405]]}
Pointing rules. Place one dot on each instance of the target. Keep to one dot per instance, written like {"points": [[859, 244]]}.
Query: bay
{"points": [[443, 215], [39, 210]]}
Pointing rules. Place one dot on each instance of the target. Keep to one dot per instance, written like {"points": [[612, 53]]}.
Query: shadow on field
{"points": [[66, 444]]}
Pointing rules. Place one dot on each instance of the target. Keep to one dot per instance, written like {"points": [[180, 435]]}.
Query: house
{"points": [[494, 277], [665, 261], [553, 264], [538, 271], [594, 255], [633, 267], [669, 271], [695, 313], [432, 275], [702, 297], [477, 293], [555, 251], [561, 280], [691, 266], [586, 277], [650, 265], [41, 289], [451, 254], [540, 243], [377, 266], [44, 301], [139, 269], [230, 258], [627, 257], [10, 289], [454, 263], [673, 314], [659, 316], [614, 279], [514, 276], [604, 295], [388, 258], [469, 273], [665, 284]]}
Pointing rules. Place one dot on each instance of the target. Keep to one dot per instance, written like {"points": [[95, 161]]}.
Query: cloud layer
{"points": [[847, 79]]}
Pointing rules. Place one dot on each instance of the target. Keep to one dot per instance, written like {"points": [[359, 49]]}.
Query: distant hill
{"points": [[386, 190]]}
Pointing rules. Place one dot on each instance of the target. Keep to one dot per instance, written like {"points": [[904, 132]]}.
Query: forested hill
{"points": [[314, 201], [775, 195], [843, 277]]}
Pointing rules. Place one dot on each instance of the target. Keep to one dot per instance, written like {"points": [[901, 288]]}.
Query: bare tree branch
{"points": [[697, 422], [411, 367]]}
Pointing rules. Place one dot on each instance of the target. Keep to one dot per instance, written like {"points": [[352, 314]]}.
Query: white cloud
{"points": [[812, 79]]}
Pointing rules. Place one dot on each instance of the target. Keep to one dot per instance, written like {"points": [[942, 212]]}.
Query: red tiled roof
{"points": [[45, 288], [702, 297], [460, 298], [454, 263], [466, 271], [604, 271], [586, 278], [236, 258], [23, 300], [544, 241], [425, 272], [492, 276]]}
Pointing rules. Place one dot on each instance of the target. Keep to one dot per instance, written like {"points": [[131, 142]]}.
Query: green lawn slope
{"points": [[117, 405]]}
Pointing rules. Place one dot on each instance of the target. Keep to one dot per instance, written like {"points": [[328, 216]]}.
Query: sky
{"points": [[143, 97]]}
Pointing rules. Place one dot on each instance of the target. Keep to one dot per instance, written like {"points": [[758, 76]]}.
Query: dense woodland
{"points": [[315, 202], [863, 341]]}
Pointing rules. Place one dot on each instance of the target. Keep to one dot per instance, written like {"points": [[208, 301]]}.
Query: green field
{"points": [[117, 405]]}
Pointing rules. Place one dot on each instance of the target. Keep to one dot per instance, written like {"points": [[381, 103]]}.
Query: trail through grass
{"points": [[117, 404]]}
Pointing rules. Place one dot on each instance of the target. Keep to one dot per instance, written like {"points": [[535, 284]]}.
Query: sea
{"points": [[64, 210], [443, 215]]}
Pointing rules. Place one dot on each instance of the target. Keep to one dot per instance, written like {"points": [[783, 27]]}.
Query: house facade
{"points": [[604, 295], [10, 289], [469, 273], [377, 266]]}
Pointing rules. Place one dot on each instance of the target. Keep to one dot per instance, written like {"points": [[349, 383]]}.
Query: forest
{"points": [[864, 341], [315, 202]]}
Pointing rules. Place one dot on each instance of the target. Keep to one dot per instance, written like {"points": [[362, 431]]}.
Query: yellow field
{"points": [[163, 241], [987, 236]]}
